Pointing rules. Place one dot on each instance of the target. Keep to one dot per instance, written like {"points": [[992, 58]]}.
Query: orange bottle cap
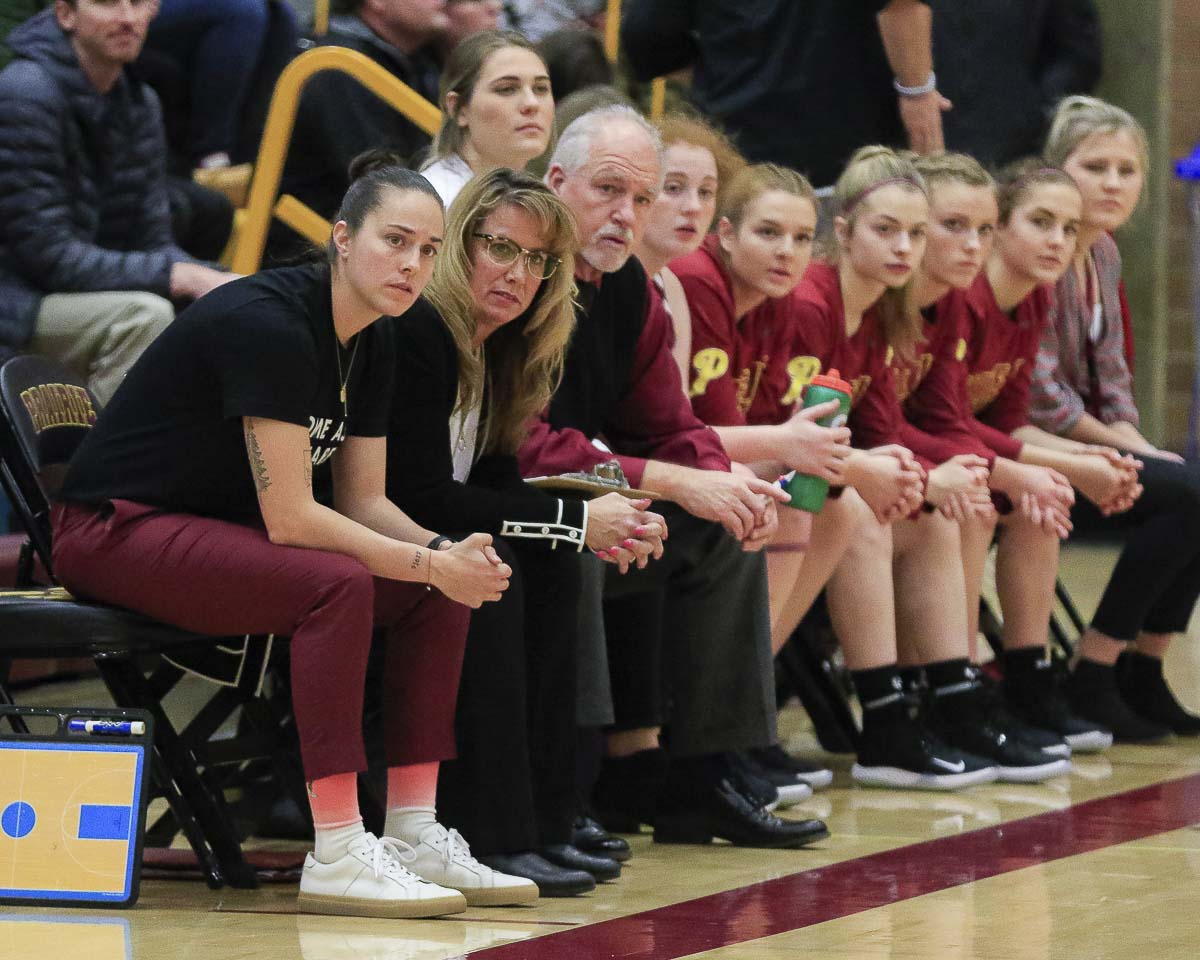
{"points": [[832, 380]]}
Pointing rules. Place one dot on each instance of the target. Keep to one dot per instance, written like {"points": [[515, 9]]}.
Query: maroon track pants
{"points": [[222, 578]]}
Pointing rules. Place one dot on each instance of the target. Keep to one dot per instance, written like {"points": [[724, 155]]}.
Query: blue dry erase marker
{"points": [[119, 727]]}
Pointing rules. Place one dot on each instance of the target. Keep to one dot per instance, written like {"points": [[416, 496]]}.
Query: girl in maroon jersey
{"points": [[1034, 502], [698, 163], [1083, 391]]}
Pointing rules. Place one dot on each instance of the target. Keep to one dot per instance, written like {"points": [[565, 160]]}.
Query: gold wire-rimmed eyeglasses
{"points": [[504, 252]]}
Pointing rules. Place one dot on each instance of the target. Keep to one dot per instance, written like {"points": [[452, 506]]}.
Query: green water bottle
{"points": [[809, 492]]}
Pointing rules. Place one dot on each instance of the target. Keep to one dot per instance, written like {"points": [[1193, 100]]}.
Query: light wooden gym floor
{"points": [[1104, 863]]}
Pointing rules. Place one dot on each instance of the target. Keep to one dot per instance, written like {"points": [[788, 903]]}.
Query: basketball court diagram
{"points": [[68, 820]]}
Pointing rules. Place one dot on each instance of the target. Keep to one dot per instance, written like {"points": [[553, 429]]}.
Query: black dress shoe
{"points": [[572, 858], [721, 810], [552, 880], [590, 837]]}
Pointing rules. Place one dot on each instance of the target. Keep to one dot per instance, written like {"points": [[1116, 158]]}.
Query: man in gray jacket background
{"points": [[88, 268]]}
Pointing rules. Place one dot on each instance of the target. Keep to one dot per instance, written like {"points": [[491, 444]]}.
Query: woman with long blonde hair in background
{"points": [[477, 359]]}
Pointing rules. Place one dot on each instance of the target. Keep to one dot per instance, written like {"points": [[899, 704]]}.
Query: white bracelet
{"points": [[928, 86]]}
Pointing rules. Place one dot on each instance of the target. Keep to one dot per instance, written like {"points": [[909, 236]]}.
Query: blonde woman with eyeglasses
{"points": [[477, 360]]}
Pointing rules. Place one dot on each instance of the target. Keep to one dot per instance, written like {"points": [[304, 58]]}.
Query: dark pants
{"points": [[512, 786], [222, 578], [689, 642], [219, 47], [1156, 580]]}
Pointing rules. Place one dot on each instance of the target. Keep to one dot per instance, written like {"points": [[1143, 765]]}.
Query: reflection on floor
{"points": [[1124, 897]]}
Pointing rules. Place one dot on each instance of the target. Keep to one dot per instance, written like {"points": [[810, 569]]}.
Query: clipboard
{"points": [[73, 805], [601, 479]]}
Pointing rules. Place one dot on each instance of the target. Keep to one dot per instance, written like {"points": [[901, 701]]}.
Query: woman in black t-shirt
{"points": [[474, 365], [191, 501]]}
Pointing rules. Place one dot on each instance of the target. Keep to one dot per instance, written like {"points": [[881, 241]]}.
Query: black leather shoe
{"points": [[590, 837], [552, 880], [572, 858], [722, 811]]}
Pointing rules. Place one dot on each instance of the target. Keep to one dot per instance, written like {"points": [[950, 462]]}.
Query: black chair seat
{"points": [[50, 623]]}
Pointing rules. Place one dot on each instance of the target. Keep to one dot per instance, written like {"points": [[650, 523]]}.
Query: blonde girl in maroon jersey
{"points": [[737, 376], [1035, 501]]}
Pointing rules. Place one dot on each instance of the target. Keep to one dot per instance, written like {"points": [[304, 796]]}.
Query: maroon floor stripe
{"points": [[852, 886]]}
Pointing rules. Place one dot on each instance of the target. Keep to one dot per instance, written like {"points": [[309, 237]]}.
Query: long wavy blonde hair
{"points": [[520, 365]]}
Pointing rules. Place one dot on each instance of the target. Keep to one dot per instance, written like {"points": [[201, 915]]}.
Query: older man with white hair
{"points": [[694, 624]]}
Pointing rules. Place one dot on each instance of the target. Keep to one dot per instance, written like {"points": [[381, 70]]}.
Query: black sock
{"points": [[949, 673], [703, 769], [1023, 661], [1093, 673], [1141, 664], [879, 688]]}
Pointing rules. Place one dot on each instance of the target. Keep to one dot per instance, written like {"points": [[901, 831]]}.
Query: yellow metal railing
{"points": [[612, 49], [612, 30], [321, 17], [264, 201]]}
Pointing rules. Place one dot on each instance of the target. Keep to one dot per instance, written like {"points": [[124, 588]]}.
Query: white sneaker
{"points": [[791, 794], [371, 881], [443, 857]]}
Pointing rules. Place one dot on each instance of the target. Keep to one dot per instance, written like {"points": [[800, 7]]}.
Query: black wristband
{"points": [[436, 542]]}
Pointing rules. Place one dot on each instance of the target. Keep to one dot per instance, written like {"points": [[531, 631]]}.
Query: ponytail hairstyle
{"points": [[524, 358], [1077, 118], [1019, 178], [370, 173], [460, 77], [870, 169], [938, 168]]}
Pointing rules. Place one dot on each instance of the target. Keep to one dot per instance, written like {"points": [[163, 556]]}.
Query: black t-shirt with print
{"points": [[262, 346]]}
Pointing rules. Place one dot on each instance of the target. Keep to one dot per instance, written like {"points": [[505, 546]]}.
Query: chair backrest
{"points": [[45, 412]]}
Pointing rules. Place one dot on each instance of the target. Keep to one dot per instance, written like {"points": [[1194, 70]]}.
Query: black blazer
{"points": [[420, 473]]}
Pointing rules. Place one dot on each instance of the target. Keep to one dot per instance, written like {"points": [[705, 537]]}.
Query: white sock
{"points": [[333, 842], [407, 823]]}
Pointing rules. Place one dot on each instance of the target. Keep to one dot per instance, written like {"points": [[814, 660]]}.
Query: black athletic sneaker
{"points": [[1144, 689], [752, 782], [775, 757], [1092, 692], [898, 752], [789, 790], [1036, 697], [1050, 742], [968, 719]]}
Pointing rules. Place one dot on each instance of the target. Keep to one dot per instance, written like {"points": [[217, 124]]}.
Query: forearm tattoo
{"points": [[258, 465], [416, 560]]}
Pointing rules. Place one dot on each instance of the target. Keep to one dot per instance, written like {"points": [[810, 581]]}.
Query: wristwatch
{"points": [[436, 542]]}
